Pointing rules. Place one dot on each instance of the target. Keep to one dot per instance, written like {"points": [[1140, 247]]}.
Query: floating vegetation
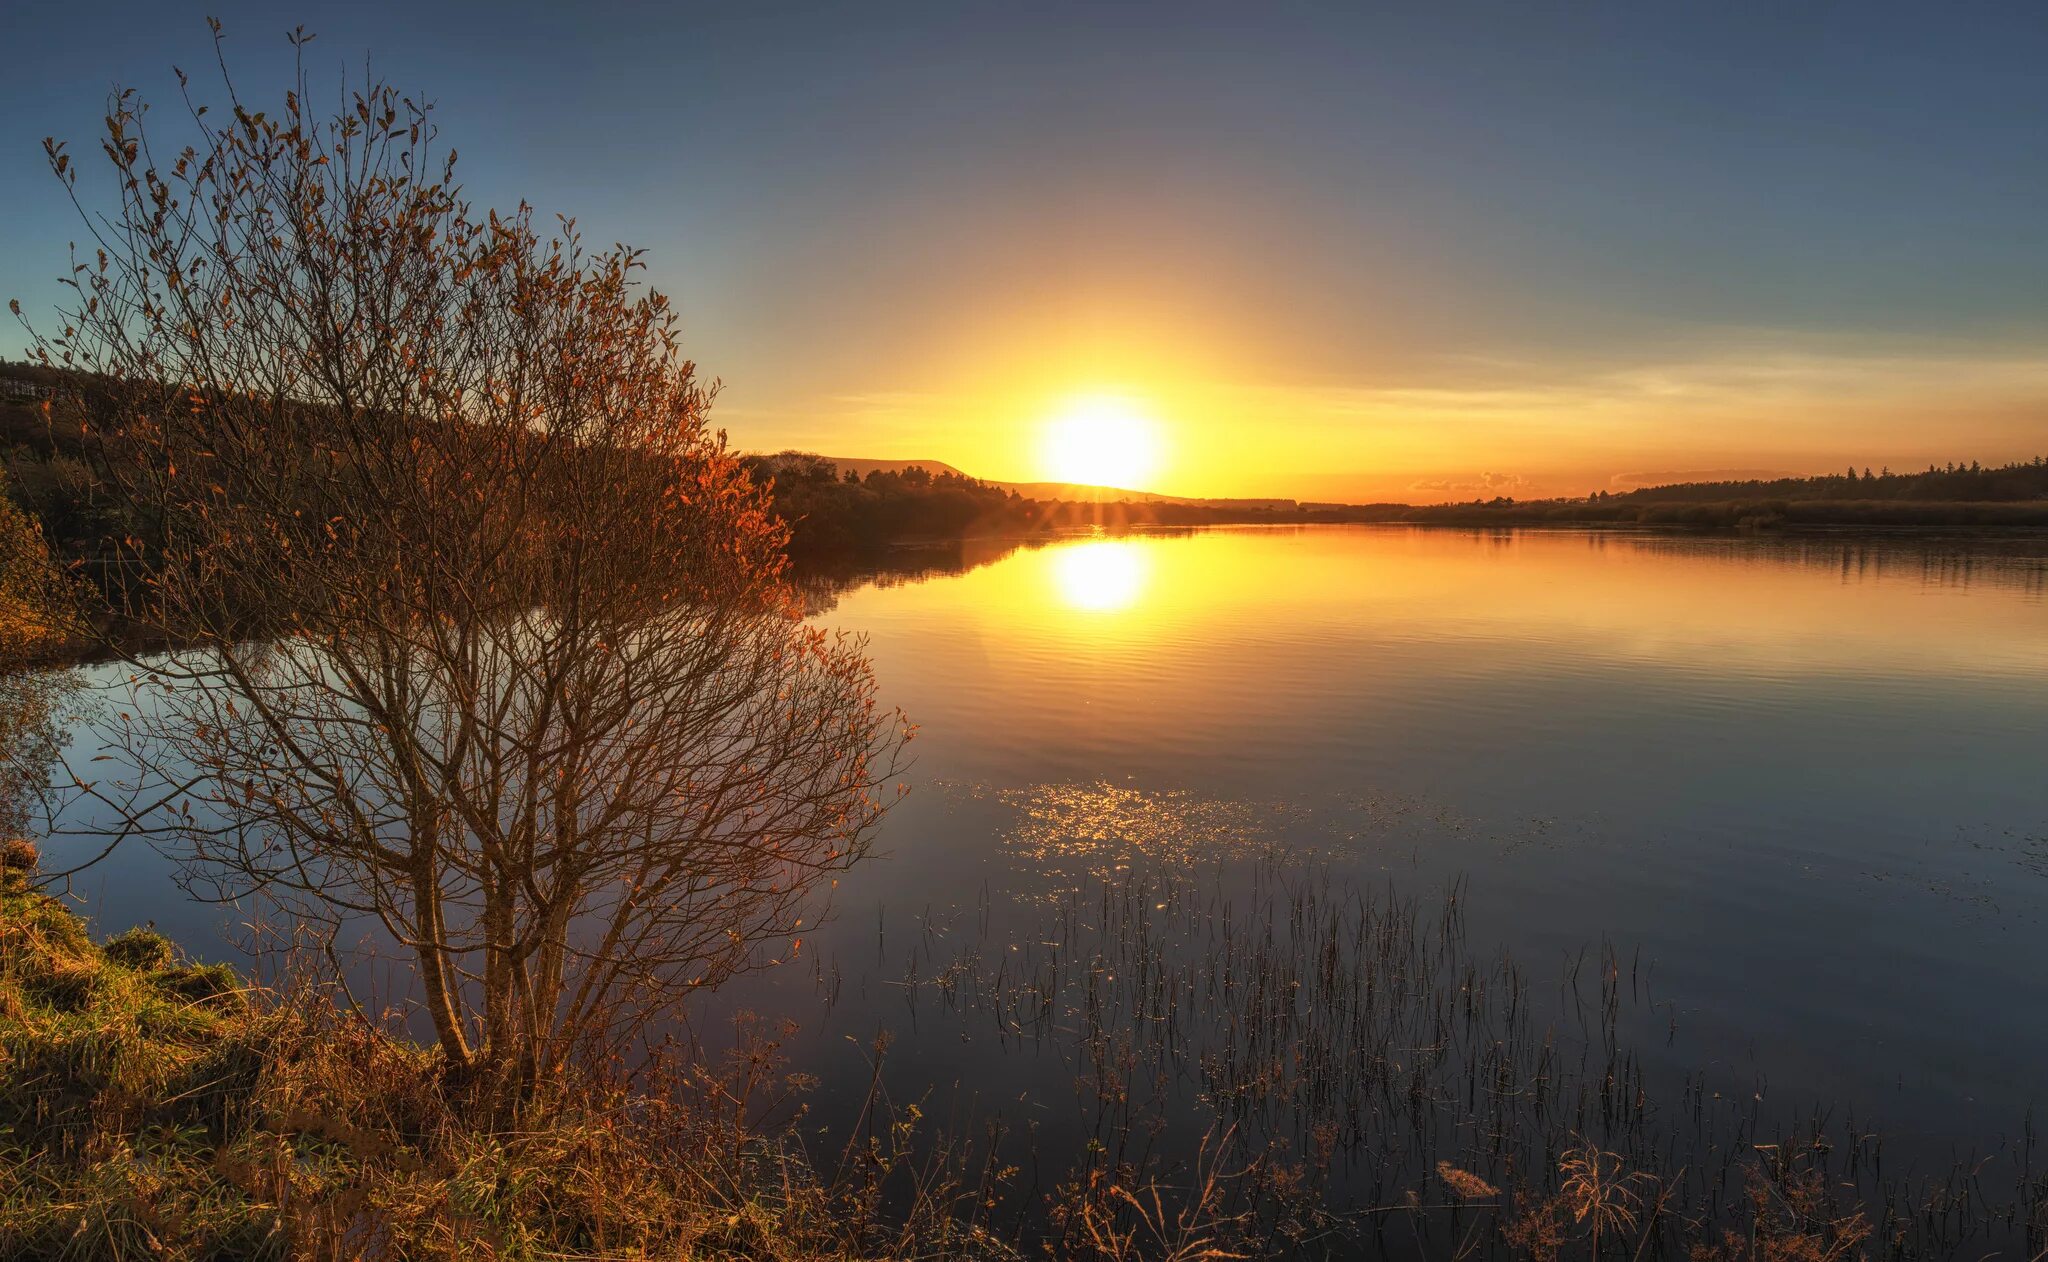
{"points": [[1285, 1063]]}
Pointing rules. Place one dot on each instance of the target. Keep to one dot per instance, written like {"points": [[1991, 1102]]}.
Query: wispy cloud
{"points": [[1755, 375]]}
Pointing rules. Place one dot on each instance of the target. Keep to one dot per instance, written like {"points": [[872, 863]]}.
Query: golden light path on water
{"points": [[1101, 576], [1529, 671]]}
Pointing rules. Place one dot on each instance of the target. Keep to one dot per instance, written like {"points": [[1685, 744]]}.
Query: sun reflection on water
{"points": [[1102, 576], [1103, 826]]}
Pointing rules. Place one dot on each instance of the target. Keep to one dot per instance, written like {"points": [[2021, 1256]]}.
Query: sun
{"points": [[1102, 440]]}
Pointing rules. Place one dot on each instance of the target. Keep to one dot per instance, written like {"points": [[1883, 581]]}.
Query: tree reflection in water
{"points": [[37, 712]]}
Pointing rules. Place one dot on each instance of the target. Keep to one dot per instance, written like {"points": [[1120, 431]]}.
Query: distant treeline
{"points": [[838, 515], [1956, 495], [834, 515], [49, 466], [2021, 480]]}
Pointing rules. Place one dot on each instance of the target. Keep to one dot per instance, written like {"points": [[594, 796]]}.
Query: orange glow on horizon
{"points": [[1150, 406]]}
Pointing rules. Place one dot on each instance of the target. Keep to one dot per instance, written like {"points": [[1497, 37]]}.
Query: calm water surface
{"points": [[1804, 781], [1808, 778]]}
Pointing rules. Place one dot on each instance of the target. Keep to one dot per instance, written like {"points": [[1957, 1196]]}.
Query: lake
{"points": [[1796, 786]]}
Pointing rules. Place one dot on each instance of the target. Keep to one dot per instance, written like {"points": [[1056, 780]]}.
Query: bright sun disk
{"points": [[1102, 440]]}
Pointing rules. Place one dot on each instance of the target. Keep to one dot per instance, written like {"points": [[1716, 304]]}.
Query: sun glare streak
{"points": [[1100, 577], [1102, 440]]}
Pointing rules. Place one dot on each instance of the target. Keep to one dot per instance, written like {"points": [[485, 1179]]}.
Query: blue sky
{"points": [[1335, 251]]}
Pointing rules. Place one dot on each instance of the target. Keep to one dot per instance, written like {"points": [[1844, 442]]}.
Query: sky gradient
{"points": [[1422, 252]]}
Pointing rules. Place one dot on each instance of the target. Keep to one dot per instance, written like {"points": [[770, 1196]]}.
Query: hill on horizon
{"points": [[1072, 492]]}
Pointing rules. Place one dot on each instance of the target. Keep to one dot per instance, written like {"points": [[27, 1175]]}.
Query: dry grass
{"points": [[152, 1108]]}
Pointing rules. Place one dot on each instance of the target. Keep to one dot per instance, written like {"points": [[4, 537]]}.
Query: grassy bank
{"points": [[155, 1108]]}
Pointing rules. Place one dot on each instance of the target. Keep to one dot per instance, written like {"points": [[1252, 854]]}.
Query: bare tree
{"points": [[484, 632]]}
